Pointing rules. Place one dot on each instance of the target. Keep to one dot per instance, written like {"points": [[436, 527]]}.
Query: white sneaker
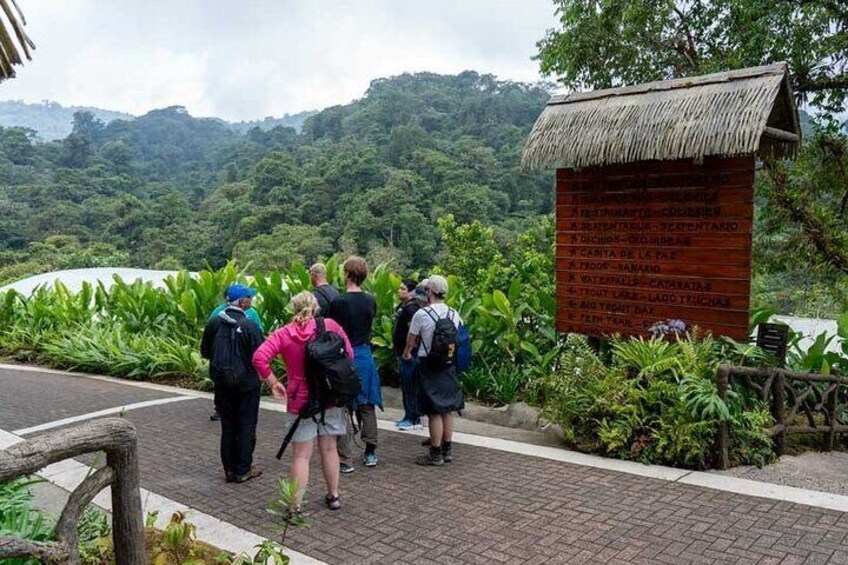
{"points": [[405, 426], [418, 427]]}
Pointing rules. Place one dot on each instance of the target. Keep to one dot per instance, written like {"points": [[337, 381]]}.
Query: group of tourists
{"points": [[331, 386]]}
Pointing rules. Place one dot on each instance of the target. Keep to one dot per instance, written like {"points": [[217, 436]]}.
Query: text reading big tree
{"points": [[648, 241]]}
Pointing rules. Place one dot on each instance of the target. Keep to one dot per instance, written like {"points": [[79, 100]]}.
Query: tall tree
{"points": [[606, 43]]}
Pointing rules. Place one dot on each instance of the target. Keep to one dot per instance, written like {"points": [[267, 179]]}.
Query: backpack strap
{"points": [[320, 328], [429, 311], [288, 437]]}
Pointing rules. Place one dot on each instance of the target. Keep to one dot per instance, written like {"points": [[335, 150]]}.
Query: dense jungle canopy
{"points": [[169, 190], [382, 175]]}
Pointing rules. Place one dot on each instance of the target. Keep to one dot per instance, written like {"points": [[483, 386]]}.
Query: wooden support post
{"points": [[118, 438], [832, 417], [66, 527], [127, 519], [778, 411], [722, 382]]}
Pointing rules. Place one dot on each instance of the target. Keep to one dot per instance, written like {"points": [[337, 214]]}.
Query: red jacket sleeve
{"points": [[263, 356]]}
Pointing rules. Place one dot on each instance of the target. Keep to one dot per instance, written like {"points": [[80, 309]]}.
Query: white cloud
{"points": [[251, 59]]}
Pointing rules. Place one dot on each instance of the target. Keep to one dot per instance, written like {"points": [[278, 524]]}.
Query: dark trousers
{"points": [[368, 418], [408, 390], [239, 413]]}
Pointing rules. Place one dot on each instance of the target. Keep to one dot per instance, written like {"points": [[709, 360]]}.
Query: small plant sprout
{"points": [[285, 506]]}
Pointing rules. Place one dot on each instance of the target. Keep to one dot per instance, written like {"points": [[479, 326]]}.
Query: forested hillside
{"points": [[50, 120], [170, 190]]}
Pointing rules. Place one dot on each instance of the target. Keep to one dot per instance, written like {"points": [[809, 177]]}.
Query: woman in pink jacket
{"points": [[289, 342]]}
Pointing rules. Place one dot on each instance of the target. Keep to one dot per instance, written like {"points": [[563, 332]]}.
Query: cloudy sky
{"points": [[249, 59]]}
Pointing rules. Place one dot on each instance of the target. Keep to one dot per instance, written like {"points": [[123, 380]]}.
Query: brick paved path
{"points": [[486, 507], [29, 398]]}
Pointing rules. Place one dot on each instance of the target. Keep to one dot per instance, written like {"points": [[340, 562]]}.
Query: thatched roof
{"points": [[732, 113], [13, 39]]}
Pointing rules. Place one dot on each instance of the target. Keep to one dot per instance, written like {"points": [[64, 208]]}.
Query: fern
{"points": [[652, 357], [702, 399]]}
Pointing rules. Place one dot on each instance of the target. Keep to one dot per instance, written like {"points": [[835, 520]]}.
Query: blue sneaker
{"points": [[405, 425], [370, 459]]}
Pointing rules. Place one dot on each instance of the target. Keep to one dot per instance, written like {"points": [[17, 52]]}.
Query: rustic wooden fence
{"points": [[800, 403], [117, 438]]}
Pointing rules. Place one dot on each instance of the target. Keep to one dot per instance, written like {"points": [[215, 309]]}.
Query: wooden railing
{"points": [[820, 402], [117, 438]]}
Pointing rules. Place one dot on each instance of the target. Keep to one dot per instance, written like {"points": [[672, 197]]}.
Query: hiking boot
{"points": [[332, 502], [345, 469], [434, 458], [370, 460], [447, 451], [252, 474], [425, 442], [230, 476]]}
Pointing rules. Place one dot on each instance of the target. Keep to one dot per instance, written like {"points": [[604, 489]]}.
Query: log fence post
{"points": [[832, 416], [778, 411], [127, 520], [722, 383], [115, 436]]}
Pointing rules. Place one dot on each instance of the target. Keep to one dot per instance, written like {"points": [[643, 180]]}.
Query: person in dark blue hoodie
{"points": [[229, 342], [250, 312]]}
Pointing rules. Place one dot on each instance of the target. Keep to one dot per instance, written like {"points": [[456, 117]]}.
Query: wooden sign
{"points": [[773, 338], [651, 241]]}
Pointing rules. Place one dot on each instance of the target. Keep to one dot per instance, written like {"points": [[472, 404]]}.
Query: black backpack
{"points": [[330, 376], [229, 367], [442, 351]]}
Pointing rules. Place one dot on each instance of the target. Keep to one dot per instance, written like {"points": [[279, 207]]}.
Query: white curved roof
{"points": [[73, 278]]}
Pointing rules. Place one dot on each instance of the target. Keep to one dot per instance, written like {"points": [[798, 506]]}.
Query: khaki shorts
{"points": [[334, 424]]}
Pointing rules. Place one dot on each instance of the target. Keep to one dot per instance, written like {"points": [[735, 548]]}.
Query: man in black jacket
{"points": [[409, 304], [229, 341], [322, 290]]}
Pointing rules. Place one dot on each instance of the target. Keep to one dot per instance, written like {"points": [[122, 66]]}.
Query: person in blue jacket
{"points": [[251, 313]]}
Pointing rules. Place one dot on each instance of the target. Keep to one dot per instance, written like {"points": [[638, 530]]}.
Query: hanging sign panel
{"points": [[645, 242]]}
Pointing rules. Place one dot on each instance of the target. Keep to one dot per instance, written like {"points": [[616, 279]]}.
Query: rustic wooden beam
{"points": [[127, 518], [722, 382], [46, 552], [117, 437], [781, 135], [33, 455], [840, 429], [794, 375], [779, 411], [831, 416], [66, 527]]}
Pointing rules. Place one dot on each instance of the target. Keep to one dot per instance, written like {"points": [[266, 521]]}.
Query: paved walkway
{"points": [[489, 506]]}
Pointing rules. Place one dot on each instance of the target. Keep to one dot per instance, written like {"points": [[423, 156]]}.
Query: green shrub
{"points": [[19, 519], [140, 331], [112, 350], [653, 401]]}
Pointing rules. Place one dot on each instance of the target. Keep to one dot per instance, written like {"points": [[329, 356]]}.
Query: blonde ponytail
{"points": [[304, 305]]}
